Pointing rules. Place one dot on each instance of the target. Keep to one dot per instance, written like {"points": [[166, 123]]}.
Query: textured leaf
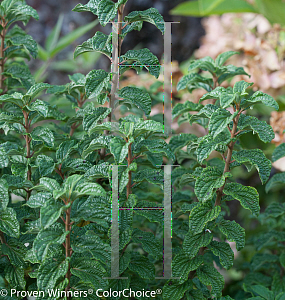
{"points": [[175, 290], [257, 158], [224, 251], [264, 131], [35, 90], [246, 195], [211, 178], [16, 252], [150, 15], [137, 97], [91, 120], [91, 6], [182, 265], [100, 42], [15, 98], [179, 141], [119, 149], [125, 176], [275, 181], [154, 146], [9, 223], [96, 144], [50, 271], [263, 98], [241, 86], [141, 265], [106, 11], [231, 71], [147, 126], [278, 152], [96, 81], [46, 165], [45, 135], [24, 12], [208, 275], [192, 243], [201, 215], [48, 237], [234, 232], [194, 80], [208, 144], [27, 42], [149, 243], [4, 196], [64, 150], [48, 184], [15, 276], [222, 58], [219, 121], [150, 175], [214, 94], [275, 209], [205, 64], [187, 106]]}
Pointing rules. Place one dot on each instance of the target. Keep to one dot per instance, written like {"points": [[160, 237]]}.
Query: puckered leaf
{"points": [[234, 232], [142, 265], [15, 276], [224, 251], [40, 107], [50, 271], [275, 209], [223, 57], [275, 181], [187, 106], [182, 265], [64, 150], [136, 97], [241, 86], [143, 58], [278, 152], [26, 41], [100, 42], [96, 144], [15, 98], [211, 178], [179, 141], [9, 223], [219, 121], [125, 176], [263, 98], [147, 126], [264, 131], [150, 15], [207, 144], [4, 196], [44, 135], [246, 195], [150, 175], [48, 237], [174, 290], [257, 158], [209, 275], [91, 6], [46, 165], [16, 252], [106, 11], [35, 90], [47, 184], [194, 80], [119, 149], [91, 120], [205, 64], [96, 81], [201, 214], [231, 71], [192, 243]]}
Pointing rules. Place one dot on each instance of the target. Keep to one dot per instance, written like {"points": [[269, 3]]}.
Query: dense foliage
{"points": [[57, 172]]}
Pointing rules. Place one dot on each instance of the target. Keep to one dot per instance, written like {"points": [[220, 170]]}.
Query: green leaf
{"points": [[65, 149], [136, 97], [91, 120], [209, 275], [201, 215], [4, 160], [98, 143], [208, 144], [260, 290], [143, 58], [90, 189], [96, 81], [182, 265], [119, 149], [15, 98], [23, 13], [50, 271], [141, 265], [179, 141], [211, 178], [219, 121], [9, 223], [35, 90], [40, 107], [53, 37], [246, 195], [241, 86], [278, 152], [257, 158], [264, 131], [47, 184], [100, 42], [91, 6], [16, 252], [44, 135], [106, 11], [4, 195], [193, 81], [224, 251], [154, 146], [234, 232], [174, 290], [147, 126], [15, 276], [27, 42], [149, 243], [192, 243], [150, 175], [267, 100], [223, 57], [275, 181], [231, 71], [150, 15], [205, 64], [54, 235], [125, 176], [275, 209], [46, 165], [89, 271], [187, 106]]}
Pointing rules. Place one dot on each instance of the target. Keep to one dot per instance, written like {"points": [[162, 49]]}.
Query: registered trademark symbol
{"points": [[159, 291], [90, 291]]}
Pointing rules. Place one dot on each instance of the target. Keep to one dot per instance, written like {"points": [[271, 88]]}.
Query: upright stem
{"points": [[67, 246], [120, 25], [129, 186], [228, 159]]}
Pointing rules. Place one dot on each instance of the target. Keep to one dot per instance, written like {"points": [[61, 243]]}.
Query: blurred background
{"points": [[255, 28]]}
